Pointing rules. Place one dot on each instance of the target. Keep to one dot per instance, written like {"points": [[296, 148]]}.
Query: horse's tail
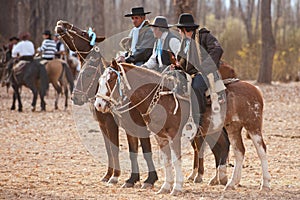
{"points": [[44, 80], [69, 75]]}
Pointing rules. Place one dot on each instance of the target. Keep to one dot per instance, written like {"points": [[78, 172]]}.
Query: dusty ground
{"points": [[43, 156]]}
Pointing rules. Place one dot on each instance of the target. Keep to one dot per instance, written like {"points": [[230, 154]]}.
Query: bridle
{"points": [[68, 32], [117, 106], [97, 68]]}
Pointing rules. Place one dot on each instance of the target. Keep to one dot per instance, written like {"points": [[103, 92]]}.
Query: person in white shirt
{"points": [[166, 46], [23, 50]]}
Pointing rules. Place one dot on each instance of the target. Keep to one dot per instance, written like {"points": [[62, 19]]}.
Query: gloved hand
{"points": [[129, 59]]}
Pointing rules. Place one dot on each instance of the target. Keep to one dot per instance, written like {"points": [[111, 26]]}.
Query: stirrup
{"points": [[189, 130]]}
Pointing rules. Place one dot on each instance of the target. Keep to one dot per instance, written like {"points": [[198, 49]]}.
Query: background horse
{"points": [[73, 37], [244, 109], [32, 75], [85, 89], [60, 76]]}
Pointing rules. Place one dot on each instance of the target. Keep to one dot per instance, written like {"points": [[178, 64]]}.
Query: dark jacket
{"points": [[144, 45], [211, 53]]}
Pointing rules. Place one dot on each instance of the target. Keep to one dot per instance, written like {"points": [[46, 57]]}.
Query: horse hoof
{"points": [[163, 191], [229, 187], [176, 192], [224, 181], [104, 179], [33, 109], [13, 108], [213, 181], [113, 180], [147, 186], [127, 185], [198, 179], [265, 189]]}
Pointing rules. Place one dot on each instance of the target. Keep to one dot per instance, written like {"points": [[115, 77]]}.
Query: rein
{"points": [[98, 71], [157, 91], [67, 32]]}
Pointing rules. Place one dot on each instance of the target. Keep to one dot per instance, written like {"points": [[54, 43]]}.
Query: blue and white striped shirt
{"points": [[48, 49]]}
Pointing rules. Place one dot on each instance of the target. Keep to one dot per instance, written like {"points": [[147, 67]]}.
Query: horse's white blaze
{"points": [[102, 90], [257, 141]]}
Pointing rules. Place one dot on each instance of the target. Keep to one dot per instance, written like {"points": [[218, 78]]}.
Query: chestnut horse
{"points": [[244, 109], [85, 89], [60, 76]]}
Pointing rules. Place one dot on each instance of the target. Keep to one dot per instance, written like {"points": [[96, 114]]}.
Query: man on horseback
{"points": [[198, 63], [22, 53], [48, 47], [141, 38], [23, 50], [166, 44], [60, 48]]}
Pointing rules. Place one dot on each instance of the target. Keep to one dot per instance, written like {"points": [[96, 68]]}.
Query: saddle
{"points": [[19, 66]]}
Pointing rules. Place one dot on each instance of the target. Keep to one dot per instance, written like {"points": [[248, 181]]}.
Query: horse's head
{"points": [[111, 87], [76, 39], [86, 86]]}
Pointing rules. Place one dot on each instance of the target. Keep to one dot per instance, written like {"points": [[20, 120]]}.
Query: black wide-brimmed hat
{"points": [[160, 21], [47, 32], [186, 20], [137, 11]]}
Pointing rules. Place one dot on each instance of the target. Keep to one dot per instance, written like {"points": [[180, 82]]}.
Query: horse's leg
{"points": [[164, 146], [66, 90], [43, 103], [133, 153], [58, 89], [35, 95], [176, 148], [18, 96], [219, 144], [13, 106], [198, 145], [112, 149], [261, 149], [147, 153], [113, 135], [238, 148]]}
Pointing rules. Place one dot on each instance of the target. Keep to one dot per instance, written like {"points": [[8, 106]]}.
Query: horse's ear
{"points": [[100, 39], [114, 63]]}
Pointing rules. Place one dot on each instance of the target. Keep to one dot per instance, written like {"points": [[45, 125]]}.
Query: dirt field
{"points": [[43, 156]]}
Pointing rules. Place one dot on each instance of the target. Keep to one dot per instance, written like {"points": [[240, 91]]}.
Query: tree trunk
{"points": [[232, 8], [247, 19], [218, 9], [278, 16], [268, 44]]}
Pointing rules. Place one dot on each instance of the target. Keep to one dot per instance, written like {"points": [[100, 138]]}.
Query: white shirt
{"points": [[174, 45], [23, 48], [134, 34]]}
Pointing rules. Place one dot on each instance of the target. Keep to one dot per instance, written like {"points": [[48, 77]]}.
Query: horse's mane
{"points": [[145, 71]]}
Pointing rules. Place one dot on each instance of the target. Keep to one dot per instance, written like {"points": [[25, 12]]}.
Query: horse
{"points": [[85, 91], [32, 75], [244, 109], [60, 76], [86, 85]]}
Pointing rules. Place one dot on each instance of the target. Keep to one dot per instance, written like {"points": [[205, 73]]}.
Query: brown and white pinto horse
{"points": [[244, 109]]}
